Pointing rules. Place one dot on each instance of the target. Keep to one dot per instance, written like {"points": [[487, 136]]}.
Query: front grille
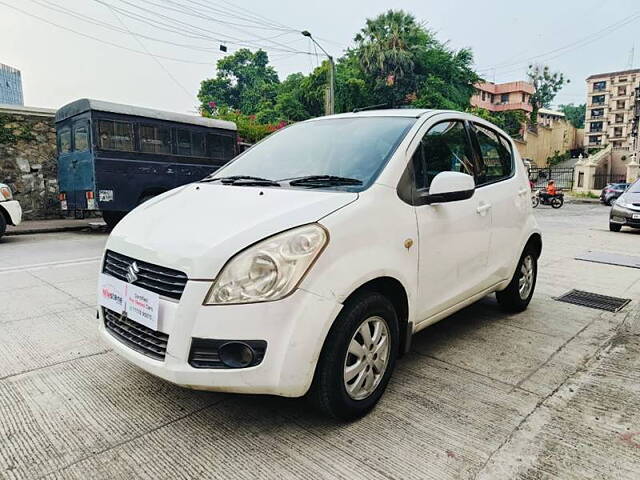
{"points": [[146, 341], [204, 352], [594, 300], [161, 280]]}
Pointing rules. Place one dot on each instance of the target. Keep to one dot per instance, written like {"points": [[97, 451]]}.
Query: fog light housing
{"points": [[236, 354]]}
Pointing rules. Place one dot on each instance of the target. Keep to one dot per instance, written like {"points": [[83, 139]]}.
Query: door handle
{"points": [[483, 209]]}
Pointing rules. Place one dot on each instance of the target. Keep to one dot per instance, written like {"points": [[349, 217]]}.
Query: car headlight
{"points": [[5, 193], [270, 269]]}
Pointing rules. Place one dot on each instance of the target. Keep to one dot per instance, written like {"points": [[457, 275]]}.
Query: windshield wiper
{"points": [[246, 180], [324, 181]]}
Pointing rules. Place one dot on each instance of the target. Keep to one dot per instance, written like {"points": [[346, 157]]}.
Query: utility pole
{"points": [[330, 105]]}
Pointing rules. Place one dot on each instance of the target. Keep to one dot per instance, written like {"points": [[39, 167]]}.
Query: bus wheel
{"points": [[112, 218]]}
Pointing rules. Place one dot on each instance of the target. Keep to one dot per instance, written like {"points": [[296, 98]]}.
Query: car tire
{"points": [[514, 298], [332, 391], [615, 227], [3, 225], [111, 218]]}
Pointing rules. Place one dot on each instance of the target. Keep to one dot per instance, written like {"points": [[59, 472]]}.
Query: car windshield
{"points": [[344, 153], [635, 188]]}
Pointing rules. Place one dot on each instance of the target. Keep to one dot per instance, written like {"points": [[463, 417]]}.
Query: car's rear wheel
{"points": [[517, 295], [111, 218], [357, 359], [610, 201], [615, 227]]}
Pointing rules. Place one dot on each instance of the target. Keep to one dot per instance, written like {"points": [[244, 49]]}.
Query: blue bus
{"points": [[113, 157]]}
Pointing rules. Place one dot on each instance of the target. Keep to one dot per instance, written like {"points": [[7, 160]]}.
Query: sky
{"points": [[155, 53]]}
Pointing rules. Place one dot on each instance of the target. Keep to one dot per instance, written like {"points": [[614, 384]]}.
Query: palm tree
{"points": [[388, 46]]}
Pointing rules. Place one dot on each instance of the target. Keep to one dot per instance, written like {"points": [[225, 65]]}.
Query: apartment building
{"points": [[10, 86], [610, 109], [501, 97]]}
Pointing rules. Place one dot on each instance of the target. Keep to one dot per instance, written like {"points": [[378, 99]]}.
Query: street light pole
{"points": [[330, 106]]}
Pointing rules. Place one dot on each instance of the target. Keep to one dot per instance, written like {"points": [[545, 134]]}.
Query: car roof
{"points": [[390, 112]]}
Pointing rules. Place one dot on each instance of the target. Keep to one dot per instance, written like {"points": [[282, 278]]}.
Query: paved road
{"points": [[552, 392]]}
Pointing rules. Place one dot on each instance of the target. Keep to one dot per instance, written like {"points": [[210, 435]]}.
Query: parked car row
{"points": [[10, 210]]}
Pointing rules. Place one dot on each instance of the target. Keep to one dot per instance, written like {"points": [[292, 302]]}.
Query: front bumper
{"points": [[13, 208], [624, 216], [294, 329]]}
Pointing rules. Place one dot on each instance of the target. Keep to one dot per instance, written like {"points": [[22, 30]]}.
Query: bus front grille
{"points": [[161, 280]]}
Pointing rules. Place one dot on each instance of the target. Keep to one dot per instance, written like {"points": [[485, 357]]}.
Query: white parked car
{"points": [[10, 210], [307, 263]]}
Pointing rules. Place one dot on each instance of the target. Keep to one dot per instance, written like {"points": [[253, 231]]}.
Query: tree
{"points": [[547, 85], [403, 62], [510, 121], [574, 113], [244, 81]]}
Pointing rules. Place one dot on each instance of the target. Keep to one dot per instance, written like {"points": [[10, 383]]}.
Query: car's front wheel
{"points": [[517, 295], [3, 225], [615, 227], [357, 359]]}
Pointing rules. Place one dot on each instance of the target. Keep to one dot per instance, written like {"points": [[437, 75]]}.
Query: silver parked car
{"points": [[626, 209]]}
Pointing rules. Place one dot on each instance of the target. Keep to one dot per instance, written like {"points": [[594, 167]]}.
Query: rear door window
{"points": [[64, 140], [115, 135], [496, 159], [81, 136], [183, 142]]}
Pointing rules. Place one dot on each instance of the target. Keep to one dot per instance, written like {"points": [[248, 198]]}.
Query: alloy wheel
{"points": [[367, 358], [525, 282]]}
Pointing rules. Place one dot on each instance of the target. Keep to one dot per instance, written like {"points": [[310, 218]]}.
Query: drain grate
{"points": [[594, 300]]}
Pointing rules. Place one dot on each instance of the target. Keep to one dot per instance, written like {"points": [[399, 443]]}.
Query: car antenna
{"points": [[370, 107]]}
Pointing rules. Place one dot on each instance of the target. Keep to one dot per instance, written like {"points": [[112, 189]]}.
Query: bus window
{"points": [[199, 147], [64, 140], [115, 135], [155, 139], [220, 146], [183, 142], [80, 137]]}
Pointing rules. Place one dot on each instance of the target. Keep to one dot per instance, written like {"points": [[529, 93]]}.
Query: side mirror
{"points": [[450, 187]]}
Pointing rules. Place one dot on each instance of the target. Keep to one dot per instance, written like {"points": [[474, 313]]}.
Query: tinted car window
{"points": [[183, 142], [444, 148], [496, 161]]}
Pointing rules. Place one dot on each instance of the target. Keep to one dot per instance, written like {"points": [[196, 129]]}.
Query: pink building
{"points": [[500, 97]]}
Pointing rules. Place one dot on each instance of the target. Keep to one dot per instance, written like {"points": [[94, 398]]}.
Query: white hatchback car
{"points": [[10, 210], [306, 264]]}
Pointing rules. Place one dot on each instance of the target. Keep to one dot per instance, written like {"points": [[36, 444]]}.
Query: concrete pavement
{"points": [[549, 393]]}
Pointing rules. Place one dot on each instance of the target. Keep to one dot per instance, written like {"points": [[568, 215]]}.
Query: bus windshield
{"points": [[356, 148]]}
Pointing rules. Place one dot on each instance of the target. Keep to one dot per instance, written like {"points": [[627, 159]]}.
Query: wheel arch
{"points": [[5, 215], [395, 291], [534, 242]]}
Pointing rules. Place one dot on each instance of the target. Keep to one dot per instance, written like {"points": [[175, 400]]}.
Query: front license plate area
{"points": [[137, 303], [636, 216]]}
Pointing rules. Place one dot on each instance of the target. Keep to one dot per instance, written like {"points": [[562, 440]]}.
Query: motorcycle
{"points": [[556, 201]]}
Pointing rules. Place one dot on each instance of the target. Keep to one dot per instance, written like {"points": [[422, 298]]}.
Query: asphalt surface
{"points": [[550, 393]]}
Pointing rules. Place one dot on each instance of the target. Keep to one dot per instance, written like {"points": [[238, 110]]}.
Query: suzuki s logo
{"points": [[132, 272]]}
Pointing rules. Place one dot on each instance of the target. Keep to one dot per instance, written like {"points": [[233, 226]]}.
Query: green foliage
{"points": [[250, 128], [509, 121], [11, 133], [547, 85], [574, 113], [396, 61], [557, 157]]}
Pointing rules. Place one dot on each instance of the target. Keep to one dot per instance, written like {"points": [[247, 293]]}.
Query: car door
{"points": [[498, 184], [454, 236]]}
